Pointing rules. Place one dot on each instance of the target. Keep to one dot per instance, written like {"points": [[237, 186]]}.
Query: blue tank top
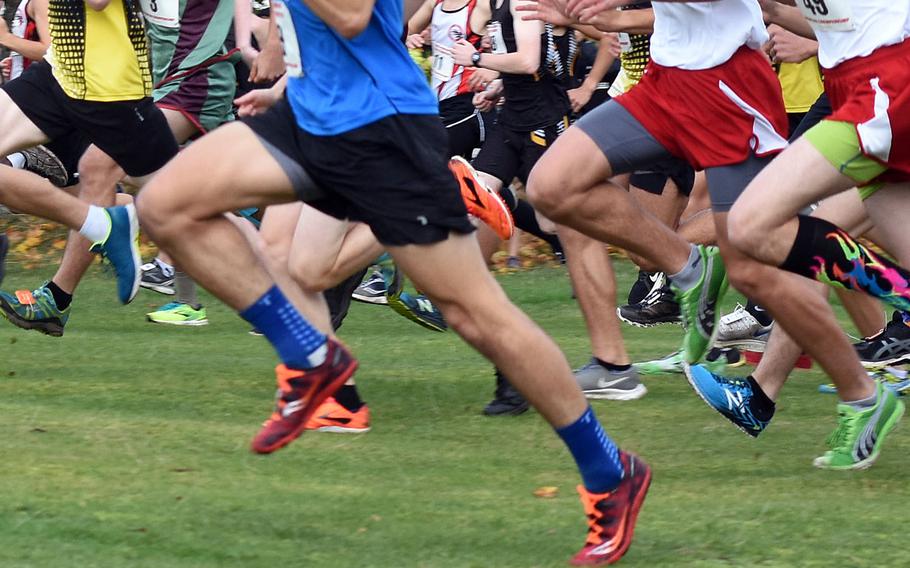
{"points": [[346, 84]]}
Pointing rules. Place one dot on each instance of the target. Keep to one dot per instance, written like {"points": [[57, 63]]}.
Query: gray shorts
{"points": [[630, 148]]}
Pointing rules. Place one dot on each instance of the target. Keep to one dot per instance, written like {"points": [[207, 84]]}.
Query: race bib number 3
{"points": [[494, 30], [164, 13], [828, 15], [443, 67], [288, 38]]}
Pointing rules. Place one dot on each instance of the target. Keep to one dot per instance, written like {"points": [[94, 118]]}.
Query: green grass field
{"points": [[125, 445]]}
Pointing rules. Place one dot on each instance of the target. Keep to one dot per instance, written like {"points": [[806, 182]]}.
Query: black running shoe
{"points": [[890, 346], [642, 286], [155, 278], [39, 160], [4, 248], [507, 400], [659, 307]]}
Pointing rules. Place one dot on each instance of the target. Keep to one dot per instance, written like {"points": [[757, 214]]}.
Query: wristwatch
{"points": [[475, 59]]}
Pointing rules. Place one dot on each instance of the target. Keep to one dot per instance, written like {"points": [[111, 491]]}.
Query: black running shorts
{"points": [[507, 154], [134, 133], [390, 174]]}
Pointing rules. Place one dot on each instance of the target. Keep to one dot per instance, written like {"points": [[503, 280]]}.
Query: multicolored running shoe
{"points": [[35, 310], [480, 200], [332, 417], [730, 396], [176, 313], [121, 249], [698, 306]]}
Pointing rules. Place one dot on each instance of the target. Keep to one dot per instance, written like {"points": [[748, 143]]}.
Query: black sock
{"points": [[759, 313], [762, 406], [826, 253], [526, 220], [611, 366], [348, 397], [61, 298]]}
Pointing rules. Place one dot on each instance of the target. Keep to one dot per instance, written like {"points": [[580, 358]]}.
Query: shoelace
{"points": [[596, 510], [846, 424]]}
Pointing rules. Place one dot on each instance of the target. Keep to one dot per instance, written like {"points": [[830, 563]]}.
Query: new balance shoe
{"points": [[890, 346], [4, 249], [176, 313], [156, 279], [598, 382], [332, 417], [507, 401], [659, 307], [857, 441], [121, 249], [740, 329], [699, 304], [39, 160], [35, 310], [419, 309], [481, 201], [612, 516], [300, 393], [643, 286], [372, 290], [732, 397]]}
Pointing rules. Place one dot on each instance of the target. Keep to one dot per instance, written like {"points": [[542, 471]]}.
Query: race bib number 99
{"points": [[288, 38], [828, 15], [164, 13]]}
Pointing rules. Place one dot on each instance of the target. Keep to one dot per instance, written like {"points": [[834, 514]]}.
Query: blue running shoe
{"points": [[4, 248], [729, 396], [121, 248]]}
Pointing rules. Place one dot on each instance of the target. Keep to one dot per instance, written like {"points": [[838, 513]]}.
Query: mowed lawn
{"points": [[126, 445]]}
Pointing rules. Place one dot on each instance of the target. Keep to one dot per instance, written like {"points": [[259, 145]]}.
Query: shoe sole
{"points": [[158, 288], [514, 412], [47, 328], [876, 365], [194, 323], [688, 371], [609, 394], [341, 430], [307, 413], [375, 300], [653, 323], [755, 345], [890, 425]]}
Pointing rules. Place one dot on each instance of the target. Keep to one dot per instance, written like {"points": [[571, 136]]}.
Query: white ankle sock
{"points": [[97, 224]]}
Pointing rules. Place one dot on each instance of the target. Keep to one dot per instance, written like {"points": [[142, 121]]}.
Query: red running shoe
{"points": [[612, 516], [300, 393], [480, 200]]}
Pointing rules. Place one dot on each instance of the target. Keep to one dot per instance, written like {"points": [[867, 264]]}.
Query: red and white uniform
{"points": [[864, 45], [23, 27], [448, 27], [709, 95]]}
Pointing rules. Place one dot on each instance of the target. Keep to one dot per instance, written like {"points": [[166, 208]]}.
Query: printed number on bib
{"points": [[288, 38], [494, 30], [828, 15], [443, 67], [164, 13]]}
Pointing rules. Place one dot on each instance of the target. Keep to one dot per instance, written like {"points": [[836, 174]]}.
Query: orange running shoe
{"points": [[612, 516], [300, 393], [332, 417], [480, 200]]}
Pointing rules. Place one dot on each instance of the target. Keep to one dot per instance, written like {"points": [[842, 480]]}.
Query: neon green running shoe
{"points": [[34, 310], [673, 363], [698, 306], [176, 313], [858, 438]]}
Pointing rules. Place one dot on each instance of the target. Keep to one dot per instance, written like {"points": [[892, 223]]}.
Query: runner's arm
{"points": [[787, 17], [347, 17], [33, 50], [525, 61], [421, 18], [243, 30]]}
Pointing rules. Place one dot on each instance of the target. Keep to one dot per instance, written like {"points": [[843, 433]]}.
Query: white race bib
{"points": [[164, 13], [443, 67], [288, 38], [494, 30], [625, 42], [828, 15]]}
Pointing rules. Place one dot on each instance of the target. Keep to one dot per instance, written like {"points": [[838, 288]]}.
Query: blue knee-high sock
{"points": [[594, 452], [299, 344]]}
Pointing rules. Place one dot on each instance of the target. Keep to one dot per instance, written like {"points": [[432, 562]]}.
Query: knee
{"points": [[158, 214], [98, 173], [746, 276], [745, 230], [310, 281], [547, 193]]}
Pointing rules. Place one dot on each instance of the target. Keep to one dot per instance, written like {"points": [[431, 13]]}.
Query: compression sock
{"points": [[97, 224], [828, 254], [61, 298], [526, 220], [348, 397], [594, 452], [299, 344], [689, 276], [186, 289], [759, 313]]}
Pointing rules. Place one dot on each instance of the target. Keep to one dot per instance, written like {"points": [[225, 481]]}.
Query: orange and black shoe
{"points": [[482, 202], [332, 417], [612, 516], [300, 393]]}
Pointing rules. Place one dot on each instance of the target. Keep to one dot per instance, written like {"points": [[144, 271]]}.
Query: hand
{"points": [[462, 52], [249, 55], [787, 47], [487, 100], [486, 44], [414, 41], [579, 97], [256, 102], [585, 10], [480, 78], [613, 40], [269, 65], [549, 11], [6, 68]]}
